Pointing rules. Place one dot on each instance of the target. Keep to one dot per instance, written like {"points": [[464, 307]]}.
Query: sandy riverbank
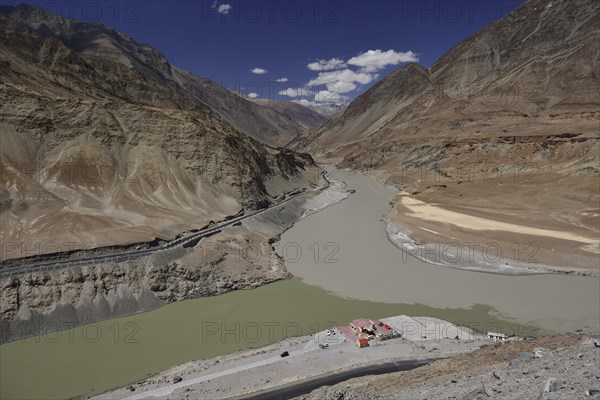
{"points": [[334, 194], [470, 256], [508, 225]]}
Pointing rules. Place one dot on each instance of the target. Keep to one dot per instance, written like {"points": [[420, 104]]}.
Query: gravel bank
{"points": [[556, 367]]}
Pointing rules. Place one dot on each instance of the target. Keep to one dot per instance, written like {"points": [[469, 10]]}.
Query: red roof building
{"points": [[363, 326]]}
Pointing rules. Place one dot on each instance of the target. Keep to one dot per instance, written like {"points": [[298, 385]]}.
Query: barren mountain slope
{"points": [[503, 127], [541, 59], [107, 149], [266, 124], [138, 73]]}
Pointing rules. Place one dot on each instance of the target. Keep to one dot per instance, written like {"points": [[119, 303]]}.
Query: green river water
{"points": [[94, 358]]}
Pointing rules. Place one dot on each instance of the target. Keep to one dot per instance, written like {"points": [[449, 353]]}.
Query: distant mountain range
{"points": [[104, 141], [328, 109], [304, 116]]}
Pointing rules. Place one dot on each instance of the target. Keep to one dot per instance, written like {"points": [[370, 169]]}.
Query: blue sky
{"points": [[327, 50]]}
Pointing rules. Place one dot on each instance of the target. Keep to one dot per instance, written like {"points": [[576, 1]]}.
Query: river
{"points": [[369, 279], [344, 249]]}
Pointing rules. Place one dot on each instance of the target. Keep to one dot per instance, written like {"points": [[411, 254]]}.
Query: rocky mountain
{"points": [[304, 116], [104, 141], [541, 59], [505, 124], [138, 73]]}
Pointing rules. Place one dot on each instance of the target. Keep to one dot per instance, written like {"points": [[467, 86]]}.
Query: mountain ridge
{"points": [[139, 61]]}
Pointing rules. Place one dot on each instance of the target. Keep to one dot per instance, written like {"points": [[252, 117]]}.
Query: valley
{"points": [[385, 224]]}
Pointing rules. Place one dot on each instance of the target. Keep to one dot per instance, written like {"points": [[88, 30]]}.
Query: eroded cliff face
{"points": [[239, 257], [40, 303]]}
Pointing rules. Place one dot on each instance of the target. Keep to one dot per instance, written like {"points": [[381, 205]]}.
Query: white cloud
{"points": [[336, 77], [341, 87], [221, 8], [342, 81], [259, 71], [224, 8], [253, 95], [345, 75], [326, 96], [295, 92], [375, 60], [305, 102], [326, 65], [281, 80]]}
